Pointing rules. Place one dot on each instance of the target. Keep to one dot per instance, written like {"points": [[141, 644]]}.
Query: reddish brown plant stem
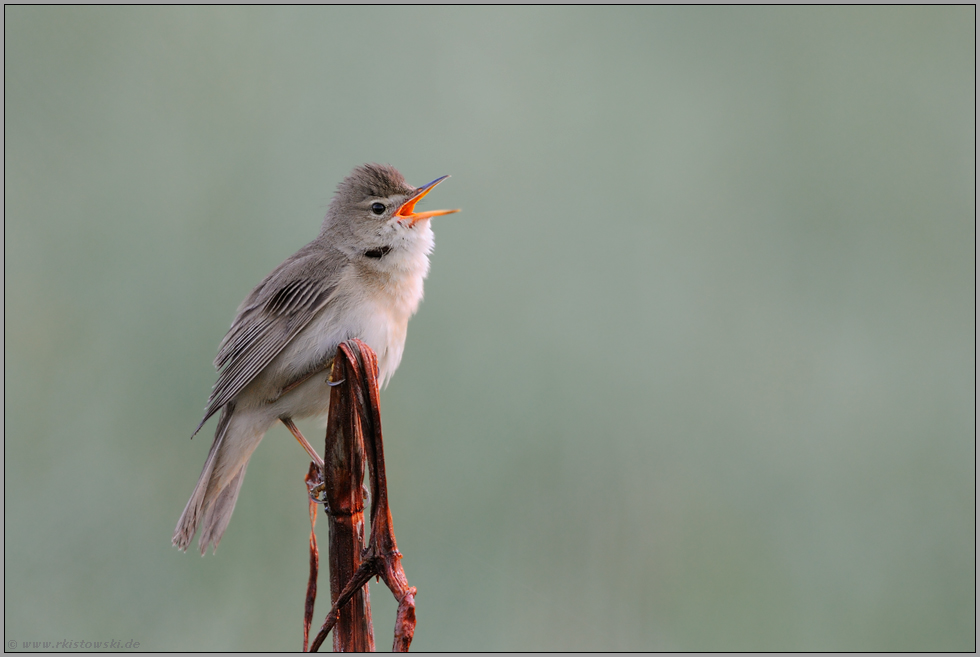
{"points": [[344, 493], [353, 431], [312, 481], [384, 548]]}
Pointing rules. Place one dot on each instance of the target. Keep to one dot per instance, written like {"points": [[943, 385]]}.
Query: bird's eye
{"points": [[378, 208]]}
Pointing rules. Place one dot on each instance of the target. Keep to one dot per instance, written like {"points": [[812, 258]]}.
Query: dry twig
{"points": [[353, 433]]}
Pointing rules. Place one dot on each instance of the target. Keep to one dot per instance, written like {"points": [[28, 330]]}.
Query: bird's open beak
{"points": [[407, 210]]}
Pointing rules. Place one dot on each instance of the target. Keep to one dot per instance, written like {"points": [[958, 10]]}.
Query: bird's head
{"points": [[373, 215]]}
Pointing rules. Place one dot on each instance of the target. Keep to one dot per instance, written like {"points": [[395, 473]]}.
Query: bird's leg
{"points": [[293, 429]]}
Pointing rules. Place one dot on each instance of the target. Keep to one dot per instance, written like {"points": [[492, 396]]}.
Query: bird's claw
{"points": [[315, 495]]}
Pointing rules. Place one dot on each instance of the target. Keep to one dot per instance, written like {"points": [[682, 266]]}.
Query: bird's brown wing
{"points": [[272, 315]]}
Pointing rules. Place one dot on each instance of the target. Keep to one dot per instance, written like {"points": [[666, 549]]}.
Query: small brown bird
{"points": [[361, 278]]}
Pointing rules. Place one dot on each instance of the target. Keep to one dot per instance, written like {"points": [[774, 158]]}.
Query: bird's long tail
{"points": [[214, 497]]}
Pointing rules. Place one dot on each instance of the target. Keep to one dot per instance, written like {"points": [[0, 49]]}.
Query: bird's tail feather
{"points": [[218, 514], [214, 497]]}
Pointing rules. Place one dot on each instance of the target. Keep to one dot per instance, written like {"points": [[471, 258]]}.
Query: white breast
{"points": [[373, 301]]}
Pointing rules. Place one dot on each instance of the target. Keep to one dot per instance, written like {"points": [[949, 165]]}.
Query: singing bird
{"points": [[360, 278]]}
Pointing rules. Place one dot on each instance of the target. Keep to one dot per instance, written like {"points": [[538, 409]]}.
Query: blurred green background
{"points": [[695, 367]]}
